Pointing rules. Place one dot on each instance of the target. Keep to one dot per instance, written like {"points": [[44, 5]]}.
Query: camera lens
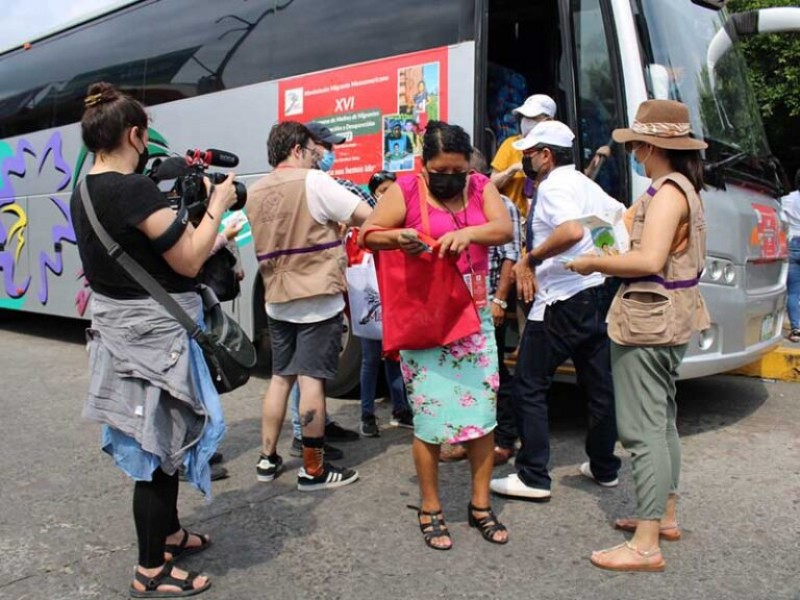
{"points": [[241, 196]]}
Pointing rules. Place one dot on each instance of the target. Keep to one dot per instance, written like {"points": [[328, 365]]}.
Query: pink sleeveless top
{"points": [[441, 221]]}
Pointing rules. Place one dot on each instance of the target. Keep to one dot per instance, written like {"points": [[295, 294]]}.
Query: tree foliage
{"points": [[774, 65], [774, 61]]}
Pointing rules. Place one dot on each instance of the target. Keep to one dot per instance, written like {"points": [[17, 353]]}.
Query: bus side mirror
{"points": [[752, 22], [715, 4]]}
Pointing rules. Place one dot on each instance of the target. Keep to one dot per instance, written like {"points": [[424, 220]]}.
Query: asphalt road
{"points": [[66, 529]]}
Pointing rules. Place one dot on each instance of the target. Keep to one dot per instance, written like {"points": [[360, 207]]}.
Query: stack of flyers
{"points": [[609, 234]]}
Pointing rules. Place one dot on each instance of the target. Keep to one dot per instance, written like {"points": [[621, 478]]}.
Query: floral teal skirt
{"points": [[453, 389]]}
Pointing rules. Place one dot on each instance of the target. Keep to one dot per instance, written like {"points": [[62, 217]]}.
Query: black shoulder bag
{"points": [[228, 351]]}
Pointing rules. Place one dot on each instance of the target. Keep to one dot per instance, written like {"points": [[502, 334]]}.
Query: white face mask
{"points": [[526, 125]]}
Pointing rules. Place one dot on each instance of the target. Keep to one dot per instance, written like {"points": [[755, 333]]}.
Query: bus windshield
{"points": [[675, 35]]}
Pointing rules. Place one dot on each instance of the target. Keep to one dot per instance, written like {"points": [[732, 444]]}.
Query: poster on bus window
{"points": [[380, 107]]}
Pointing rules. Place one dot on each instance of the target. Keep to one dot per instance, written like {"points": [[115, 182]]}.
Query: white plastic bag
{"points": [[365, 303]]}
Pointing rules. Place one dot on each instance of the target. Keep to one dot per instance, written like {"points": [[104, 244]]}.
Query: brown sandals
{"points": [[669, 533], [650, 561]]}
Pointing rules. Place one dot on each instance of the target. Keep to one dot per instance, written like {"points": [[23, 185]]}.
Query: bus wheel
{"points": [[349, 374]]}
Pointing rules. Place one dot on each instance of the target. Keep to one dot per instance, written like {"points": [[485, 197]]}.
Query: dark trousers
{"points": [[506, 432], [576, 329], [155, 512]]}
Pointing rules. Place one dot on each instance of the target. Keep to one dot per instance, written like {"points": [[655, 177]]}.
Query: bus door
{"points": [[566, 49]]}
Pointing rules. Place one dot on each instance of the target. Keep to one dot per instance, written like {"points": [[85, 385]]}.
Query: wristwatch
{"points": [[534, 262], [501, 303]]}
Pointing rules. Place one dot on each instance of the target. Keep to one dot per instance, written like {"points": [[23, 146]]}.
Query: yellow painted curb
{"points": [[782, 364]]}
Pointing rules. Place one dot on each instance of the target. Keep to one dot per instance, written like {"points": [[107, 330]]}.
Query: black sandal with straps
{"points": [[488, 525], [164, 577], [437, 528], [182, 550]]}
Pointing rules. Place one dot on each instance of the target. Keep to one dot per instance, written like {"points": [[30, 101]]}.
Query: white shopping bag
{"points": [[365, 302]]}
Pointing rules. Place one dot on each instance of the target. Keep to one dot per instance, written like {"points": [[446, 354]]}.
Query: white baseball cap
{"points": [[538, 104], [547, 133]]}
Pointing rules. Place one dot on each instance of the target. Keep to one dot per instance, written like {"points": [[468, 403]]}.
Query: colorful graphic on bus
{"points": [[381, 107]]}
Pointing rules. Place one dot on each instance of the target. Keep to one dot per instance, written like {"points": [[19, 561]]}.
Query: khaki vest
{"points": [[664, 309], [297, 257]]}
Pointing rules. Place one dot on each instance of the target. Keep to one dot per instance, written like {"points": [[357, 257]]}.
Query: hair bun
{"points": [[100, 93]]}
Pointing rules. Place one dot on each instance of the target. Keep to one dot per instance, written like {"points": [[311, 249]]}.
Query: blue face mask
{"points": [[638, 167], [326, 162]]}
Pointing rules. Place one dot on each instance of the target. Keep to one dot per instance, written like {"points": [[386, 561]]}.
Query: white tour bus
{"points": [[219, 73]]}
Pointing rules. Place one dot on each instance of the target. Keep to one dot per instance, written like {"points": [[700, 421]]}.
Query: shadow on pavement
{"points": [[58, 329]]}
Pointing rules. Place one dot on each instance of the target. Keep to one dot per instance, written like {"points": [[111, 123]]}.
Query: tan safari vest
{"points": [[664, 309], [297, 257]]}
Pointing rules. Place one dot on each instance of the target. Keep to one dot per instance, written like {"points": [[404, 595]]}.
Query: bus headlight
{"points": [[720, 271], [729, 274], [706, 339], [715, 270]]}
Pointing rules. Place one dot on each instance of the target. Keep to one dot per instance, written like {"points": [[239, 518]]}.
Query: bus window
{"points": [[166, 51], [598, 100]]}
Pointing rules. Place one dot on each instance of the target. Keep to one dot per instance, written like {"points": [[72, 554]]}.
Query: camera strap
{"points": [[137, 272], [172, 233]]}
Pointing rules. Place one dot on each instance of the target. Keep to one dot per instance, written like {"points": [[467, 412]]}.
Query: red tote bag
{"points": [[425, 300]]}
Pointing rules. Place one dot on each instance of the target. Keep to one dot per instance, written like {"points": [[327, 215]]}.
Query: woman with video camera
{"points": [[149, 385]]}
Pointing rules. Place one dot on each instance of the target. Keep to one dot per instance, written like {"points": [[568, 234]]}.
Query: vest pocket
{"points": [[647, 318]]}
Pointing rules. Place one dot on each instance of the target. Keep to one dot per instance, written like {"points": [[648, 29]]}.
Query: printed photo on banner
{"points": [[418, 92], [293, 102], [398, 146]]}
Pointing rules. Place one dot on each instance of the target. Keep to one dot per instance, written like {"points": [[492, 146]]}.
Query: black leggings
{"points": [[155, 512]]}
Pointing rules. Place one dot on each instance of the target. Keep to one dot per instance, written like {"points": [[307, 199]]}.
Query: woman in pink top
{"points": [[452, 389]]}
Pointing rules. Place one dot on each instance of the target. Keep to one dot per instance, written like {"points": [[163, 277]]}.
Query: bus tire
{"points": [[348, 375]]}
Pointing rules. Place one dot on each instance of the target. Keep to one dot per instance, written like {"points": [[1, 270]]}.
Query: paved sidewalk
{"points": [[66, 530]]}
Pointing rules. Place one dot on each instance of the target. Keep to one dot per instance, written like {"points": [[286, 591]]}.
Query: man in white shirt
{"points": [[567, 319], [294, 215]]}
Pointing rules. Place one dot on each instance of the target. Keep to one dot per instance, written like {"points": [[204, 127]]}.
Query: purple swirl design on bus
{"points": [[51, 156]]}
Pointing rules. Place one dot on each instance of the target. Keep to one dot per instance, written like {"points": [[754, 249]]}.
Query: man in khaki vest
{"points": [[294, 214]]}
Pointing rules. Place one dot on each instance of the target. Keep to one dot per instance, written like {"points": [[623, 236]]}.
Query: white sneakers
{"points": [[513, 486], [586, 471]]}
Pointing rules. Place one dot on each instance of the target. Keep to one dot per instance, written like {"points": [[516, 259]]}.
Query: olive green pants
{"points": [[644, 389]]}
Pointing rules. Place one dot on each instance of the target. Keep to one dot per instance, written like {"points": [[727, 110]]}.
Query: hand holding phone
{"points": [[410, 242]]}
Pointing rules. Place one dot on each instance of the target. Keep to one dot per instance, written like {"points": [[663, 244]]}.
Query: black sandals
{"points": [[181, 550], [488, 525], [164, 577], [437, 528]]}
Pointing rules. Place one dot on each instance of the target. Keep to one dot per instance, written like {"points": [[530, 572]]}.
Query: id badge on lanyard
{"points": [[476, 284], [475, 281]]}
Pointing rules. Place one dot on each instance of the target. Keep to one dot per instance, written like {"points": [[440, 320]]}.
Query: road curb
{"points": [[782, 364]]}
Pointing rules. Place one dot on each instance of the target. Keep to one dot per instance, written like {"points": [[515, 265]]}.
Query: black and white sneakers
{"points": [[331, 477], [268, 468]]}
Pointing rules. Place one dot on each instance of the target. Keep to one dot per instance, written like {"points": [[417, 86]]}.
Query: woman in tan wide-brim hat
{"points": [[654, 313]]}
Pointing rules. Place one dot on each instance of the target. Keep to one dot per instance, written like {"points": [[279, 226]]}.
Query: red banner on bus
{"points": [[380, 107]]}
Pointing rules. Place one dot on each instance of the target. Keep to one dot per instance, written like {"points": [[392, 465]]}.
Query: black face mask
{"points": [[527, 167], [444, 186], [143, 158]]}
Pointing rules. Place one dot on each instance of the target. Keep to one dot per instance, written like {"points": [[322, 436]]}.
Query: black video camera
{"points": [[188, 172]]}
